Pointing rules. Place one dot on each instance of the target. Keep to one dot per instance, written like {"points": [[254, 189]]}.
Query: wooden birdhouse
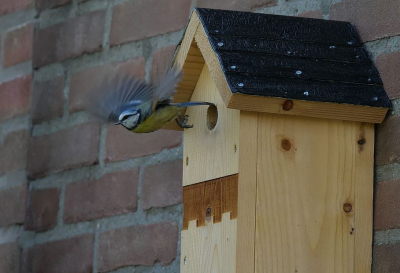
{"points": [[278, 177]]}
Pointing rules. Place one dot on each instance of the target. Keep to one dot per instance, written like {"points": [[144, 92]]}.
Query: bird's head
{"points": [[130, 119]]}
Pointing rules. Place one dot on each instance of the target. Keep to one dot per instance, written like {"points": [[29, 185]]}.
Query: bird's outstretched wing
{"points": [[166, 87], [118, 95]]}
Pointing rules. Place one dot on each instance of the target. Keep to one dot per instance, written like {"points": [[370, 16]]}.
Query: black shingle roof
{"points": [[293, 57]]}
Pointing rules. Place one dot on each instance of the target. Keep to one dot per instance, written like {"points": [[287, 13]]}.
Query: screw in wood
{"points": [[361, 141], [187, 161], [208, 214], [347, 207], [287, 105]]}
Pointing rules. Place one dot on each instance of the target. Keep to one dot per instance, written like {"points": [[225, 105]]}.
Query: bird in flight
{"points": [[138, 106]]}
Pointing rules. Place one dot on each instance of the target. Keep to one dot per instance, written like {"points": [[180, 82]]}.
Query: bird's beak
{"points": [[117, 123]]}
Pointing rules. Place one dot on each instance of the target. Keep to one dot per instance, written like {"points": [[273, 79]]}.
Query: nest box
{"points": [[278, 177]]}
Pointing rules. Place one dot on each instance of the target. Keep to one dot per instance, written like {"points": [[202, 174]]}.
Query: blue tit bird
{"points": [[138, 106]]}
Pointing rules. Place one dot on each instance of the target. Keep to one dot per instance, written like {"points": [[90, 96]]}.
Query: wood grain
{"points": [[308, 170], [247, 194], [363, 209], [308, 108], [211, 248], [210, 154], [213, 64], [189, 58], [208, 200]]}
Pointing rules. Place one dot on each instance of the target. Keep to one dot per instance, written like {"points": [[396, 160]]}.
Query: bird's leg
{"points": [[182, 121]]}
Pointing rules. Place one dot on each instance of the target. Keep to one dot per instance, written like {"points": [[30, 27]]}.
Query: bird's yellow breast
{"points": [[158, 119]]}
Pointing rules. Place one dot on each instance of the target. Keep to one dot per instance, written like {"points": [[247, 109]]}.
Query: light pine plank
{"points": [[324, 110], [211, 248], [364, 176], [307, 170], [247, 191], [189, 58], [213, 64], [210, 154]]}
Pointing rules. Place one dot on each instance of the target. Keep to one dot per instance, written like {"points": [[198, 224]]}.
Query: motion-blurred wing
{"points": [[118, 95], [166, 87]]}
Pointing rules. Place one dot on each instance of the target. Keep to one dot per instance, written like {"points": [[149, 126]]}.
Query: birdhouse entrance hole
{"points": [[212, 117]]}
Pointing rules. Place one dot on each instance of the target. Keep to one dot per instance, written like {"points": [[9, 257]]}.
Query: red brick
{"points": [[162, 185], [387, 144], [14, 96], [147, 18], [387, 209], [93, 78], [48, 100], [236, 4], [8, 6], [85, 200], [122, 144], [13, 151], [18, 46], [69, 39], [388, 65], [12, 206], [42, 5], [42, 209], [65, 149], [73, 255], [156, 242], [316, 14], [374, 19], [9, 262], [161, 61], [385, 259]]}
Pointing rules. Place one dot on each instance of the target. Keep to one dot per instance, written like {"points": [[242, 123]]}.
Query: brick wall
{"points": [[74, 195]]}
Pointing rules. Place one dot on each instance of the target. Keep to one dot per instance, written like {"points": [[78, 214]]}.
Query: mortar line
{"points": [[107, 26], [126, 220], [102, 145], [386, 237], [139, 189], [95, 171], [67, 80], [61, 205], [95, 248]]}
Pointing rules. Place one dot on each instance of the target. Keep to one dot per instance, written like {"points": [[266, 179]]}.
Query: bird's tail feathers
{"points": [[191, 103]]}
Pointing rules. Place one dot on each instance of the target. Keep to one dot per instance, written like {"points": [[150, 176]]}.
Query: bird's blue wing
{"points": [[166, 87]]}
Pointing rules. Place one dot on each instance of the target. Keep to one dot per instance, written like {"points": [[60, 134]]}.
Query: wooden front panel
{"points": [[314, 195], [210, 153], [208, 238]]}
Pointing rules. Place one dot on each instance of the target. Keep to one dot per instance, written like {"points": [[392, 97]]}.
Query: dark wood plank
{"points": [[235, 23], [218, 196]]}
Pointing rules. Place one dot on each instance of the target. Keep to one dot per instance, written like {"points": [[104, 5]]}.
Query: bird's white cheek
{"points": [[131, 122]]}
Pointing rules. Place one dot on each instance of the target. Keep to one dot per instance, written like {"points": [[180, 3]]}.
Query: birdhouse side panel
{"points": [[210, 152]]}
